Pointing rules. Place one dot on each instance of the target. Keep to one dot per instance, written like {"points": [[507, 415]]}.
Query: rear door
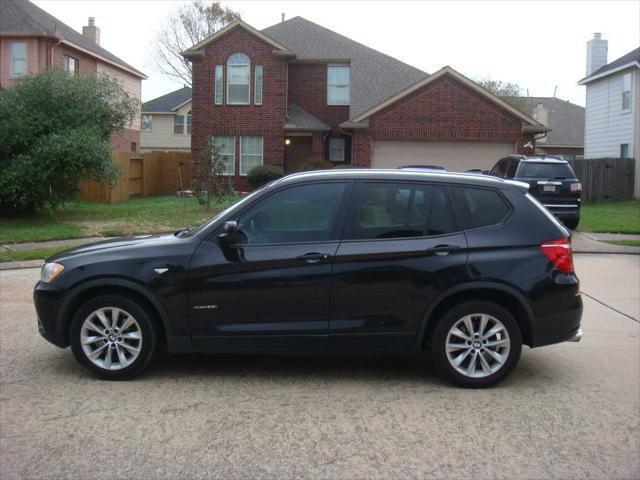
{"points": [[401, 247]]}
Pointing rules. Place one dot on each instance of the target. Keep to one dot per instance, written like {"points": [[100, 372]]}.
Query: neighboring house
{"points": [[565, 119], [166, 122], [31, 41], [297, 91], [612, 120]]}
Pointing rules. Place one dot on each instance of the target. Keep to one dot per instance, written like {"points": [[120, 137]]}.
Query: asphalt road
{"points": [[568, 411]]}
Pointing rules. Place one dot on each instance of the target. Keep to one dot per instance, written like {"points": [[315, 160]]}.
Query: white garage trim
{"points": [[454, 156]]}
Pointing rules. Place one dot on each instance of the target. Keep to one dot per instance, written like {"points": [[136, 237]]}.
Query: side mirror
{"points": [[229, 232]]}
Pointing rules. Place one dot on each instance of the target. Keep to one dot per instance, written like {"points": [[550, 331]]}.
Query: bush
{"points": [[263, 174], [344, 165], [316, 165]]}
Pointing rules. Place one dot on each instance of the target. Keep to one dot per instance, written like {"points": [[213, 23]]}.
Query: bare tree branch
{"points": [[189, 24]]}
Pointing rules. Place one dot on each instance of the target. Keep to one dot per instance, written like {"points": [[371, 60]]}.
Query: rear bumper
{"points": [[564, 212], [563, 327]]}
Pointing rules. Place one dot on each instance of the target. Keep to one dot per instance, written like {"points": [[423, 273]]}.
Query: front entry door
{"points": [[271, 287], [401, 248]]}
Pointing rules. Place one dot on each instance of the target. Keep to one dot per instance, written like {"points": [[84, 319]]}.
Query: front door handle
{"points": [[442, 249], [314, 257]]}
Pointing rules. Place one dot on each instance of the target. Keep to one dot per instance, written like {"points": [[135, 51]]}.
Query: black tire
{"points": [[148, 329], [572, 224], [450, 318]]}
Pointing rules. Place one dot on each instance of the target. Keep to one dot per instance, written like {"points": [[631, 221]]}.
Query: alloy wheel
{"points": [[111, 338], [477, 345]]}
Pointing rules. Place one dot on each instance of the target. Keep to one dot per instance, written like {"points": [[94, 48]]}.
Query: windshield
{"points": [[544, 170], [230, 209]]}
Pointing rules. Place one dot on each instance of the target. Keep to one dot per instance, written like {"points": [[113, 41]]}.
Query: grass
{"points": [[79, 219], [626, 243], [610, 217], [32, 254]]}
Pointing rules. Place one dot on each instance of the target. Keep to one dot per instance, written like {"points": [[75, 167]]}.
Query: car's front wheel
{"points": [[476, 344], [113, 336]]}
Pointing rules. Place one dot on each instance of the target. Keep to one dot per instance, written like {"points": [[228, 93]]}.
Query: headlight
{"points": [[50, 271]]}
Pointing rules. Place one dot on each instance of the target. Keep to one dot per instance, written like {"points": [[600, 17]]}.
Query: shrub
{"points": [[316, 165], [344, 165], [263, 174]]}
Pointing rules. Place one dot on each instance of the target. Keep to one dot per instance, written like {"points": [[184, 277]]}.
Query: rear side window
{"points": [[545, 170], [480, 207], [400, 210]]}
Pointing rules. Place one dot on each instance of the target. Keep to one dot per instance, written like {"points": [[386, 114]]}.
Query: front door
{"points": [[271, 287], [401, 247], [297, 151]]}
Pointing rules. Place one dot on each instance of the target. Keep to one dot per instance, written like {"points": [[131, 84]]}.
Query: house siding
{"points": [[266, 120], [161, 136], [606, 126]]}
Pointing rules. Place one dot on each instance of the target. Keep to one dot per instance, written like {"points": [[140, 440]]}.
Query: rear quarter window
{"points": [[480, 207]]}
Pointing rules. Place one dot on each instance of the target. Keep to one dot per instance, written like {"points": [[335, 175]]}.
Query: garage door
{"points": [[454, 156]]}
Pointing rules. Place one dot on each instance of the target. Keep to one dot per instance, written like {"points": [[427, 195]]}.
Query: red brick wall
{"points": [[86, 64], [122, 141], [266, 120], [308, 89]]}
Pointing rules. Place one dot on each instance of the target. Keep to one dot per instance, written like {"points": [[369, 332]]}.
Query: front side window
{"points": [[250, 153], [18, 59], [147, 123], [624, 150], [336, 149], [626, 91], [71, 65], [480, 207], [306, 213], [238, 79], [258, 86], [338, 84], [219, 89], [227, 148], [399, 210], [178, 124]]}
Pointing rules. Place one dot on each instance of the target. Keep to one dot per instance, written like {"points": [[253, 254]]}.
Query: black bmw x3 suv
{"points": [[466, 267]]}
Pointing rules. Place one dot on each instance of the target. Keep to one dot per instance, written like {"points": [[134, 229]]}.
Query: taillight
{"points": [[576, 187], [559, 253]]}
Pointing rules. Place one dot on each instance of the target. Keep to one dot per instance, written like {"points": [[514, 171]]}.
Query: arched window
{"points": [[238, 79]]}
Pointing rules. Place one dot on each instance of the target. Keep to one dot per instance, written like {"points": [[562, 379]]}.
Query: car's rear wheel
{"points": [[476, 344], [113, 336]]}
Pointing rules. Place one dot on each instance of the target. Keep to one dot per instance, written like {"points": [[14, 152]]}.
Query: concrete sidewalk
{"points": [[587, 242]]}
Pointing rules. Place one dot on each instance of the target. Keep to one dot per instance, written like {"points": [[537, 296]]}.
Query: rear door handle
{"points": [[442, 249], [314, 257]]}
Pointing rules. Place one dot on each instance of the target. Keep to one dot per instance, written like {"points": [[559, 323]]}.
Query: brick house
{"points": [[31, 40], [297, 91]]}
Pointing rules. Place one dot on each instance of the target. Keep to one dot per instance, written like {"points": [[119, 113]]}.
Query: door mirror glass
{"points": [[229, 232]]}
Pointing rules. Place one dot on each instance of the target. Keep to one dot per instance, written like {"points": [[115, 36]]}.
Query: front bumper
{"points": [[47, 299]]}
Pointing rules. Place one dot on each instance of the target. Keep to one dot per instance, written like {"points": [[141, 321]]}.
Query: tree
{"points": [[209, 181], [511, 92], [54, 132], [187, 25]]}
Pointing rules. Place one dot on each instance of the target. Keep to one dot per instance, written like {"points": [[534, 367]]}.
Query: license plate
{"points": [[548, 188]]}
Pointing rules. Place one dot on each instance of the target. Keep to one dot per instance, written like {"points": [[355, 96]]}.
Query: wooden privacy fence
{"points": [[142, 174], [605, 178]]}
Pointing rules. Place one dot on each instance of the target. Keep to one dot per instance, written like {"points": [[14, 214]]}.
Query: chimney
{"points": [[283, 16], [596, 53], [91, 31]]}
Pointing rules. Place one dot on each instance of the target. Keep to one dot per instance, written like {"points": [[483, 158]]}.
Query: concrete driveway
{"points": [[568, 411]]}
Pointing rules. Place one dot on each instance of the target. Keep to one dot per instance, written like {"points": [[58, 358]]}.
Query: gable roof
{"points": [[169, 102], [462, 79], [22, 17], [631, 59], [566, 119], [374, 75]]}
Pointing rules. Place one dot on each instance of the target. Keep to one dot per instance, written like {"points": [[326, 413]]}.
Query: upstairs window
{"points": [[178, 124], [219, 85], [338, 84], [189, 122], [147, 123], [238, 79], [71, 65], [18, 59], [257, 86], [626, 92]]}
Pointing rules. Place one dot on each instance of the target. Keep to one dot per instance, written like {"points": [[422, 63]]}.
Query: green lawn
{"points": [[626, 243], [610, 217], [86, 219], [33, 254]]}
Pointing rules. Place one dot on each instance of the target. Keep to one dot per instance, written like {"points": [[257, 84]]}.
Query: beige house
{"points": [[166, 122], [32, 40]]}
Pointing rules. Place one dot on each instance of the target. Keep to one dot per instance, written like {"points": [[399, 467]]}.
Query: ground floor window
{"points": [[336, 149], [228, 151], [251, 153], [624, 150]]}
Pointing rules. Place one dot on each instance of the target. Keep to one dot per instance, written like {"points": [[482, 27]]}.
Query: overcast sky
{"points": [[538, 45]]}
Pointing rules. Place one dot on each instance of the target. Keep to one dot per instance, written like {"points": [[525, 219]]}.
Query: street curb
{"points": [[21, 264]]}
